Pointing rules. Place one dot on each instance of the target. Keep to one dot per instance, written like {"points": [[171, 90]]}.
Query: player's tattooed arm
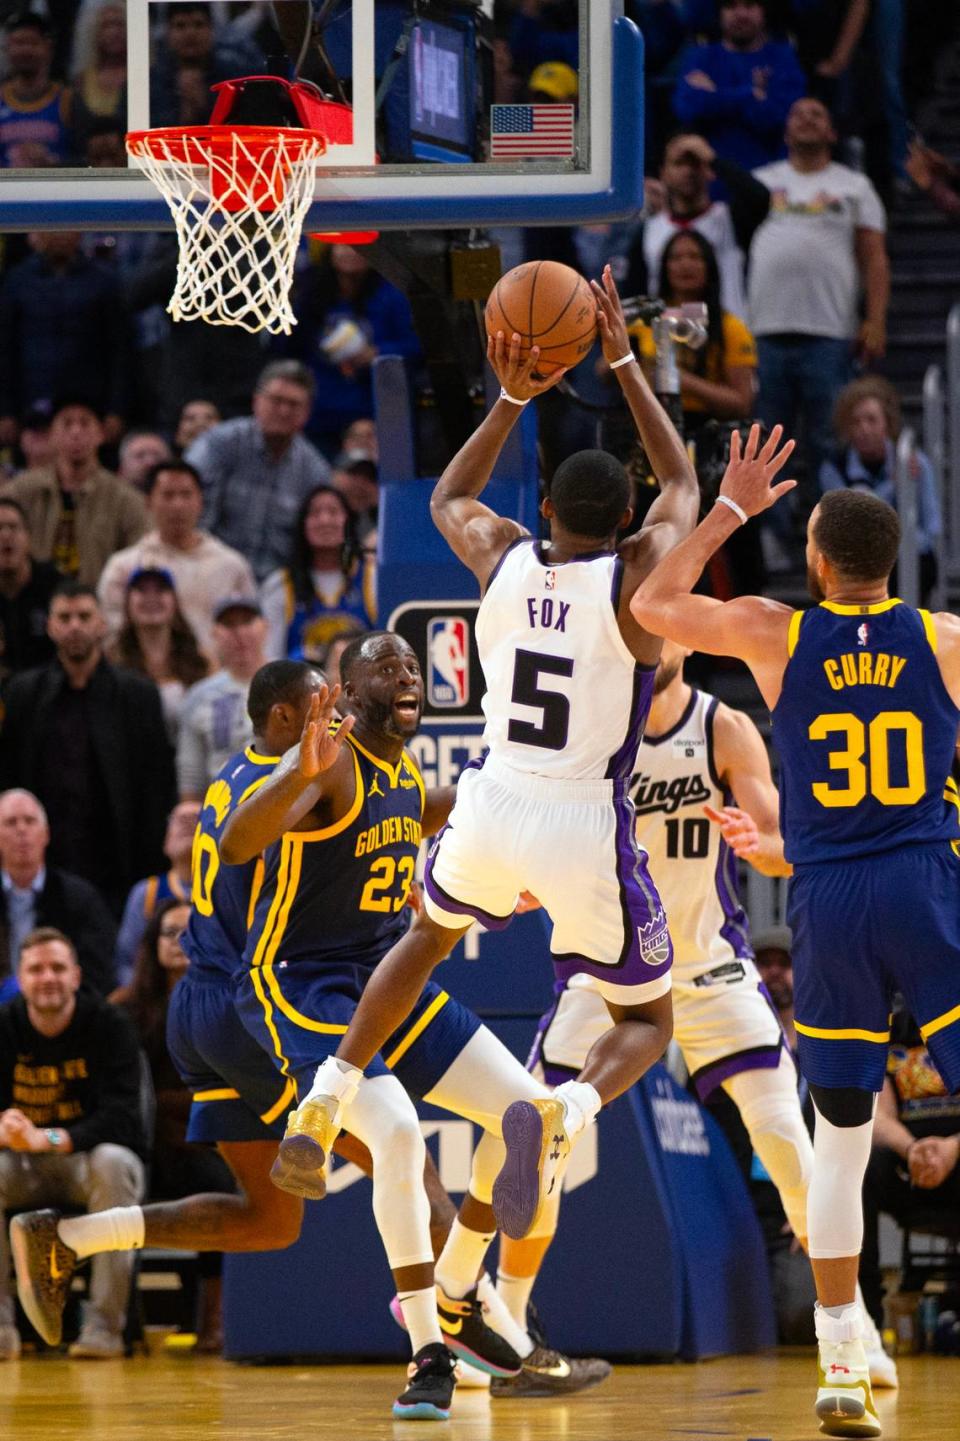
{"points": [[474, 532], [751, 828], [318, 770], [437, 805], [752, 628]]}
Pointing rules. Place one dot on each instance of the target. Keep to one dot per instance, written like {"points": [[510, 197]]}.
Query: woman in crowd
{"points": [[99, 68], [329, 585], [156, 640], [867, 423], [177, 1167]]}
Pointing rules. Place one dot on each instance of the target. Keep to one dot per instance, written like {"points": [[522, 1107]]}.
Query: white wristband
{"points": [[512, 399], [624, 360], [738, 510]]}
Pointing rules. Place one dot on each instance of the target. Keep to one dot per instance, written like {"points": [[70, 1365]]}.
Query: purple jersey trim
{"points": [[709, 1078], [650, 740], [449, 903], [620, 766], [520, 540]]}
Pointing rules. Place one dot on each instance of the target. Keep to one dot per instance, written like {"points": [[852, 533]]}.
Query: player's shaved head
{"points": [[382, 684], [280, 682], [368, 647], [857, 534], [590, 494]]}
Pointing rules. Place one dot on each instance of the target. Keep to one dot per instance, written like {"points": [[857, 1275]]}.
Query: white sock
{"points": [[337, 1079], [837, 1324], [498, 1318], [119, 1229], [420, 1315], [580, 1105], [515, 1292], [461, 1259]]}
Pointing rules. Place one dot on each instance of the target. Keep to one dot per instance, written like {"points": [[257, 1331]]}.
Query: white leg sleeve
{"points": [[382, 1115], [770, 1110], [834, 1201]]}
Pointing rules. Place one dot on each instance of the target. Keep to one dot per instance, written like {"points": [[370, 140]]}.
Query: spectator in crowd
{"points": [[214, 721], [140, 451], [913, 1168], [355, 477], [157, 641], [98, 68], [78, 513], [71, 1126], [63, 331], [718, 380], [89, 740], [328, 584], [934, 175], [329, 661], [739, 91], [147, 895], [867, 423], [190, 58], [822, 240], [195, 417], [684, 205], [554, 83], [257, 469], [34, 441], [34, 894], [104, 148], [25, 589], [359, 440], [348, 316], [177, 1167], [204, 569], [34, 109]]}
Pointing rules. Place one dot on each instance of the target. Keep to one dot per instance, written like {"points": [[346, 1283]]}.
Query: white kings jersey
{"points": [[694, 868], [565, 699]]}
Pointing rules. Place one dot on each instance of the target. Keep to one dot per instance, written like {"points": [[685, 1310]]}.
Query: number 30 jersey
{"points": [[565, 698], [865, 730], [338, 894]]}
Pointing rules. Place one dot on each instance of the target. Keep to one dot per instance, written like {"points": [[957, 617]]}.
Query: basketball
{"points": [[546, 304]]}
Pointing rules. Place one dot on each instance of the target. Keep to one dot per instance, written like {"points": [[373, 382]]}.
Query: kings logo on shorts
{"points": [[448, 661]]}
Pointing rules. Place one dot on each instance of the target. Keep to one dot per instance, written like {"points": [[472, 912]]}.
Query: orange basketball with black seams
{"points": [[549, 305]]}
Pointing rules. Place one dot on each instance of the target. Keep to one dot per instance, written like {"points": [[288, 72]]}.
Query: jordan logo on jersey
{"points": [[374, 788]]}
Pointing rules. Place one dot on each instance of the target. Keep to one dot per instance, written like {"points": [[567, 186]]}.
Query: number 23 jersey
{"points": [[338, 894], [866, 731], [565, 698]]}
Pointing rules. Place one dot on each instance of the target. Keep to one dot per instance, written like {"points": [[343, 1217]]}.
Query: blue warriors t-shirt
{"points": [[338, 894], [865, 730], [221, 895]]}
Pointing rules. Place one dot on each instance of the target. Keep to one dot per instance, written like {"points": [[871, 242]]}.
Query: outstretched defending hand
{"points": [[738, 828], [610, 321], [319, 747], [748, 477], [516, 372]]}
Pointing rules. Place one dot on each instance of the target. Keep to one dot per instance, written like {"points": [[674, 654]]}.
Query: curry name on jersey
{"points": [[338, 894], [866, 732], [565, 698], [221, 895], [694, 868]]}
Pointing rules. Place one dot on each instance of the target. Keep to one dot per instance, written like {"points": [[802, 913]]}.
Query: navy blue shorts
{"points": [[862, 930], [238, 1095], [298, 1011]]}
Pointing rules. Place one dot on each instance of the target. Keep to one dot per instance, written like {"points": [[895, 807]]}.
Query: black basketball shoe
{"points": [[432, 1376]]}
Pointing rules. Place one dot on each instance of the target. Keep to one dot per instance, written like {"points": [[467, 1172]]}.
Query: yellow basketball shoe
{"points": [[301, 1164], [538, 1148], [844, 1404]]}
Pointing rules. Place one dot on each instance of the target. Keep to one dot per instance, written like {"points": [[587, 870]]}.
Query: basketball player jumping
{"points": [[696, 759], [865, 696], [570, 678]]}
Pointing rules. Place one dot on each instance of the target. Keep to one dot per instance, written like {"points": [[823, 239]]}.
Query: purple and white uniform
{"points": [[723, 1020], [547, 809]]}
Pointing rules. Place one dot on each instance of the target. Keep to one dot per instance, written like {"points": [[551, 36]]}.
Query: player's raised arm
{"points": [[751, 827], [677, 504], [473, 531], [752, 628], [307, 775]]}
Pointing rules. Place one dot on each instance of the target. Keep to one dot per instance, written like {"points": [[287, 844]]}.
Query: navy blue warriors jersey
{"points": [[221, 896], [338, 895], [866, 732]]}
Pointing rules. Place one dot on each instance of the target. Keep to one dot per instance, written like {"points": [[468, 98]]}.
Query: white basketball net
{"points": [[236, 258]]}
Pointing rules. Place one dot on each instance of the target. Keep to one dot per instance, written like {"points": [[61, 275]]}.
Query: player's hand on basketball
{"points": [[610, 322], [516, 370], [738, 828], [319, 747], [751, 472]]}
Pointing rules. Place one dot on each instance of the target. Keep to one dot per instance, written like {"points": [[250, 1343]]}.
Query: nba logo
{"points": [[448, 662], [550, 580], [863, 634]]}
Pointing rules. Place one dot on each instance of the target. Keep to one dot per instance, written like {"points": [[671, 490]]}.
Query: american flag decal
{"points": [[531, 131]]}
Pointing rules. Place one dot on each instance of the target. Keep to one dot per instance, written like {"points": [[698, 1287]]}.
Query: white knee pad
{"points": [[770, 1110], [834, 1201], [384, 1118]]}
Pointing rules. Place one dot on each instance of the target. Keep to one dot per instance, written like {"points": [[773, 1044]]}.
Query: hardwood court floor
{"points": [[164, 1398]]}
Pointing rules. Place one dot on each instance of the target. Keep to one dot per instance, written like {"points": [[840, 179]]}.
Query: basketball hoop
{"points": [[238, 196]]}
